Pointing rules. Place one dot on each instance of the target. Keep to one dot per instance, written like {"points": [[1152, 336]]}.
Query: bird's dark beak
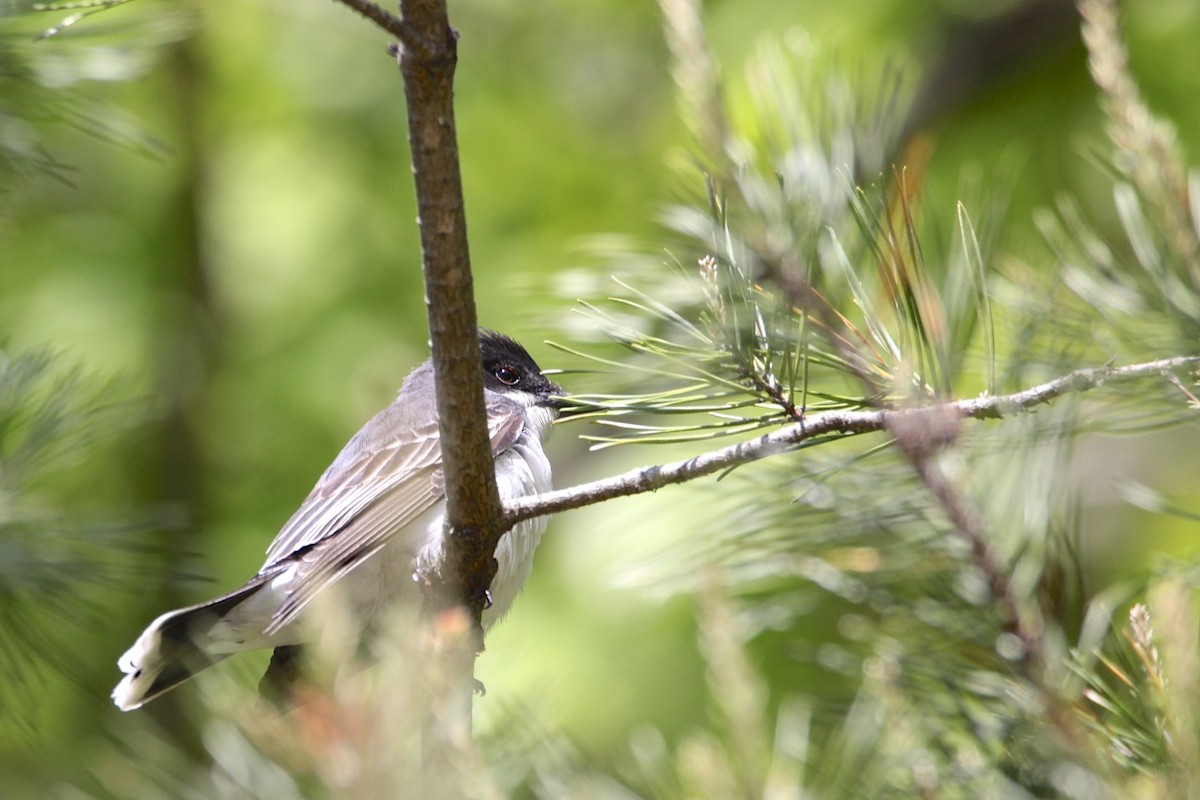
{"points": [[556, 397]]}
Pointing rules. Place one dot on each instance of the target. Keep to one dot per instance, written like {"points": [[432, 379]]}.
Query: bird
{"points": [[373, 523]]}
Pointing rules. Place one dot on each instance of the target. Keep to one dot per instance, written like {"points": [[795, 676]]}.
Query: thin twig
{"points": [[385, 19], [823, 426]]}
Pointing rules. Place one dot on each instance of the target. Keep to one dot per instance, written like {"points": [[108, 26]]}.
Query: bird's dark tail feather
{"points": [[174, 648]]}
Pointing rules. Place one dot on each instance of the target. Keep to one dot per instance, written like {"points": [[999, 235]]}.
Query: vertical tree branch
{"points": [[428, 57], [473, 503]]}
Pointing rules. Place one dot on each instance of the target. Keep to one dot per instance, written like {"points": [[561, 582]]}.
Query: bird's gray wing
{"points": [[400, 464], [355, 509]]}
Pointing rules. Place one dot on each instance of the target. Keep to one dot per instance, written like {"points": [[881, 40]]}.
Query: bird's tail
{"points": [[175, 647]]}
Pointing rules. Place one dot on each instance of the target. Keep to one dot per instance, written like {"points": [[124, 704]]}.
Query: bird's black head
{"points": [[508, 367]]}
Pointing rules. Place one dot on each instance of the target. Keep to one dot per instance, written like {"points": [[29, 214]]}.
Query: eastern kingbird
{"points": [[373, 521]]}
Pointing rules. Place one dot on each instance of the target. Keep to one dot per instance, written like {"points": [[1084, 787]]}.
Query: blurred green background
{"points": [[238, 248]]}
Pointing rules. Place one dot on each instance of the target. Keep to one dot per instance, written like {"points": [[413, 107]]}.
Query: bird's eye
{"points": [[507, 375]]}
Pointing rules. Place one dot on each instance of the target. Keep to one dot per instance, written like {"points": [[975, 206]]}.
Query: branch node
{"points": [[923, 431]]}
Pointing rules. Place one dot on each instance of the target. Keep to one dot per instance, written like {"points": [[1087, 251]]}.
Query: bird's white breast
{"points": [[522, 470], [525, 471]]}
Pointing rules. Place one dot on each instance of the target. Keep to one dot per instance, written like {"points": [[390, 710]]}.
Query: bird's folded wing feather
{"points": [[355, 510], [344, 491]]}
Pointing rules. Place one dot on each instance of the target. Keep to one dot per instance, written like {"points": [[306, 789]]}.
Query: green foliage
{"points": [[39, 85], [956, 584], [872, 619], [793, 291], [58, 569], [1146, 280]]}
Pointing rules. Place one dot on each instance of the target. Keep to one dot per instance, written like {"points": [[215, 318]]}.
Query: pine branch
{"points": [[828, 425], [920, 438], [1146, 145]]}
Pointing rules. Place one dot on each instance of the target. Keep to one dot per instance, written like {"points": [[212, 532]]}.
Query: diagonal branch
{"points": [[920, 439], [827, 425]]}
